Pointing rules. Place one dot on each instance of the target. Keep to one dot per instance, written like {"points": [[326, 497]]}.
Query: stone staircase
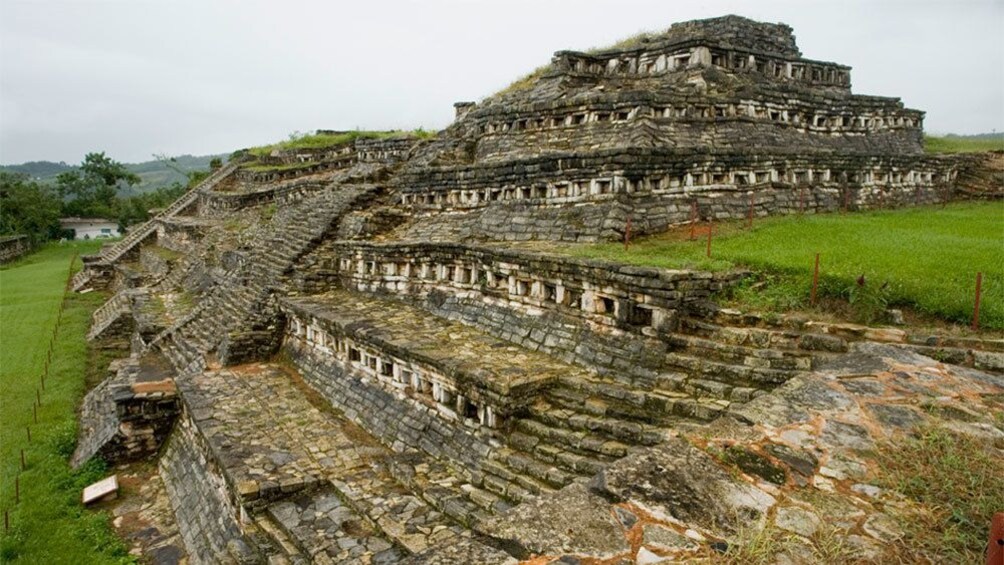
{"points": [[109, 313], [239, 304], [114, 252]]}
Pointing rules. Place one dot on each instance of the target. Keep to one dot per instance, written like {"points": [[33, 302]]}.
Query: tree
{"points": [[28, 208], [92, 189]]}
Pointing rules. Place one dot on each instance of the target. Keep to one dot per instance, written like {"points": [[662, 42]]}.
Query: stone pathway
{"points": [[143, 517], [322, 479]]}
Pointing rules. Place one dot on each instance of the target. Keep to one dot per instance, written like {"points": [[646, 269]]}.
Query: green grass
{"points": [[955, 482], [164, 253], [630, 42], [49, 525], [928, 255], [259, 168], [524, 82], [318, 140], [958, 144]]}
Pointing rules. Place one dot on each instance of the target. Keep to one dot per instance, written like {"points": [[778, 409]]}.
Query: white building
{"points": [[90, 228]]}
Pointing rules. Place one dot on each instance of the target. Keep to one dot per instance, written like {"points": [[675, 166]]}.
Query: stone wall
{"points": [[127, 416], [640, 300], [399, 422], [543, 198], [609, 317], [773, 121], [207, 516], [221, 204], [12, 247], [181, 234]]}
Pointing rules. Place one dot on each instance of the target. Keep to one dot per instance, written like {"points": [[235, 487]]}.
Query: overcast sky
{"points": [[139, 77]]}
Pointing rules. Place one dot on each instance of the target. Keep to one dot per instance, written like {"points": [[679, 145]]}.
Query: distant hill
{"points": [[152, 174], [976, 136], [40, 170]]}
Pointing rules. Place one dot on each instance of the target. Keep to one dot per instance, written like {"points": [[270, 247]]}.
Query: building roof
{"points": [[75, 220]]}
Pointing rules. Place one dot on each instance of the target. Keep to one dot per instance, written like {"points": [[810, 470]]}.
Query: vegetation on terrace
{"points": [[49, 525], [318, 140], [925, 258], [527, 81]]}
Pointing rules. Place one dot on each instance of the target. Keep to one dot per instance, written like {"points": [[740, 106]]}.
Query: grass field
{"points": [[957, 144], [49, 525], [929, 256]]}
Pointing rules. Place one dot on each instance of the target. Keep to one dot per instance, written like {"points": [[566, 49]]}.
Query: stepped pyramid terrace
{"points": [[361, 351]]}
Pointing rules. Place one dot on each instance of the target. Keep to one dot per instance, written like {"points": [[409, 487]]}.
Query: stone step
{"points": [[673, 385], [736, 375], [326, 530], [751, 330], [611, 400], [565, 412], [741, 354], [500, 478], [282, 550], [579, 441], [570, 460], [446, 489]]}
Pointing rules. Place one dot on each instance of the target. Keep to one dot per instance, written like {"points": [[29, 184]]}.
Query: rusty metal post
{"points": [[815, 281], [23, 465], [693, 220], [752, 201], [711, 228], [976, 306], [995, 547]]}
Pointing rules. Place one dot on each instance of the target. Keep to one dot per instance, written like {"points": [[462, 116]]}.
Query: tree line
{"points": [[91, 190]]}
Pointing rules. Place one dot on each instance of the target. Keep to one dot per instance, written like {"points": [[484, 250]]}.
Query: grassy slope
{"points": [[49, 525], [958, 144], [929, 255]]}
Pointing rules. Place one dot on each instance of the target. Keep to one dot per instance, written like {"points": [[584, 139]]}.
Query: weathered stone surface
{"points": [[467, 400], [676, 479], [586, 525], [129, 415]]}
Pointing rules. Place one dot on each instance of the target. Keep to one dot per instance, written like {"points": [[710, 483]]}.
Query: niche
{"points": [[550, 292], [605, 305], [573, 298], [470, 410], [639, 316]]}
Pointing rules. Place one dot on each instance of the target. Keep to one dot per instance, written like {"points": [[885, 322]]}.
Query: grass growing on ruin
{"points": [[929, 256], [954, 481], [318, 140], [957, 144], [49, 525], [259, 168]]}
